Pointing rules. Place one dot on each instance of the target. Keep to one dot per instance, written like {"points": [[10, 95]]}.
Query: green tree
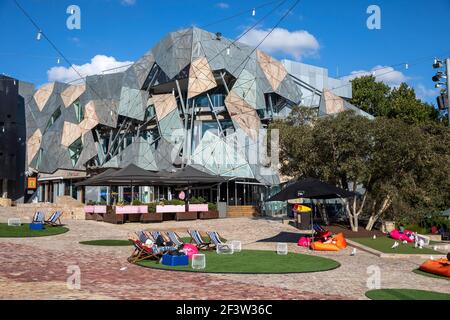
{"points": [[379, 99], [400, 169], [370, 95]]}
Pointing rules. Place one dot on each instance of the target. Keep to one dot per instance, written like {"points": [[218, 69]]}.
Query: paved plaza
{"points": [[37, 268]]}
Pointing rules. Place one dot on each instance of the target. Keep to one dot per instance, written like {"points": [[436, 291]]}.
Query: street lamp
{"points": [[443, 101]]}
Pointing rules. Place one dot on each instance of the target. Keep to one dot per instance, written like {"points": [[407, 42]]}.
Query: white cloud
{"points": [[424, 93], [297, 43], [128, 2], [98, 65], [388, 75], [222, 5]]}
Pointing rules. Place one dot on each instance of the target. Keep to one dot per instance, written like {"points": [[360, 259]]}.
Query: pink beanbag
{"points": [[189, 249], [304, 242], [405, 236]]}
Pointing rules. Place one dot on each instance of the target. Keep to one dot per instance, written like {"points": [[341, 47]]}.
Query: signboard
{"points": [[31, 183]]}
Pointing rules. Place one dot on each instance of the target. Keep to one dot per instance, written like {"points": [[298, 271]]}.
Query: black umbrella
{"points": [[97, 178], [311, 188]]}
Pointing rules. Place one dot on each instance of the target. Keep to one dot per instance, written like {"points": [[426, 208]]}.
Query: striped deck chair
{"points": [[215, 238], [198, 240], [39, 217], [156, 234], [142, 252], [54, 219], [174, 238], [143, 236]]}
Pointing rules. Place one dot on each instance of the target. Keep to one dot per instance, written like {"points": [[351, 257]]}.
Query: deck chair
{"points": [[174, 238], [39, 217], [156, 234], [198, 240], [215, 238], [142, 252], [54, 219], [143, 236]]}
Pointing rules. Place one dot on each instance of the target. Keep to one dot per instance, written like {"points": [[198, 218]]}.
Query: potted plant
{"points": [[131, 212], [151, 215], [211, 213], [197, 205], [170, 208], [89, 210]]}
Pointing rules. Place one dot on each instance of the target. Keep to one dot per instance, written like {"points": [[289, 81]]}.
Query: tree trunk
{"points": [[322, 212], [375, 215]]}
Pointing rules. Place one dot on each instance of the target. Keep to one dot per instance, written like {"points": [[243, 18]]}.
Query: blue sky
{"points": [[329, 33]]}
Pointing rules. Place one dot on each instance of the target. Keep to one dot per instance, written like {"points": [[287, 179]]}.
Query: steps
{"points": [[241, 211]]}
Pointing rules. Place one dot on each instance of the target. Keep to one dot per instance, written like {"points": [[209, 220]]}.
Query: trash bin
{"points": [[304, 221]]}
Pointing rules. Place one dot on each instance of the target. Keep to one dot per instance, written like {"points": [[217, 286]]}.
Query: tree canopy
{"points": [[400, 102], [398, 167]]}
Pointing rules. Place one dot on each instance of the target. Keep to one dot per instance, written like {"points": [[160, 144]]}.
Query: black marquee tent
{"points": [[311, 188]]}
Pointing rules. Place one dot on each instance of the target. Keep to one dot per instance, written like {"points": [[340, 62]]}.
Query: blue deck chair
{"points": [[198, 240], [39, 217], [143, 236], [215, 238], [54, 219], [174, 238]]}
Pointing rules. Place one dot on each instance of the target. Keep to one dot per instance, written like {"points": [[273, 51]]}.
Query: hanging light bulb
{"points": [[39, 35], [253, 12], [406, 66], [228, 51], [57, 61], [14, 81]]}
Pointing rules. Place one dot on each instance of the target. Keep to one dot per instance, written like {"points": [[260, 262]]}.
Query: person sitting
{"points": [[158, 249], [401, 229]]}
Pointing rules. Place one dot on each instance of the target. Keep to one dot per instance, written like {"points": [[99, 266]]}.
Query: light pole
{"points": [[445, 93], [447, 63]]}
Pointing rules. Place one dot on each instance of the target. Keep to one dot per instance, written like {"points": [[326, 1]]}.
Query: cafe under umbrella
{"points": [[308, 188]]}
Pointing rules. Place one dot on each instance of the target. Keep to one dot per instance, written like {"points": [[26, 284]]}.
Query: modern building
{"points": [[195, 99], [12, 137]]}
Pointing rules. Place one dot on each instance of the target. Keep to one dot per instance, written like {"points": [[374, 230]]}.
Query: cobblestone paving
{"points": [[36, 268]]}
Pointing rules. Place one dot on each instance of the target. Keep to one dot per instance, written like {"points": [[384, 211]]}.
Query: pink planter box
{"points": [[170, 208], [131, 209], [99, 209], [88, 209], [203, 207]]}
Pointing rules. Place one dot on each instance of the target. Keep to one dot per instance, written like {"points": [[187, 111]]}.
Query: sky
{"points": [[331, 34]]}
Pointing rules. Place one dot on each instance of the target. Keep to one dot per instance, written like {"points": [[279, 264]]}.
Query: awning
{"points": [[311, 188]]}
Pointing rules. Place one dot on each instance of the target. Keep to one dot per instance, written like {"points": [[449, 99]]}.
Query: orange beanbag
{"points": [[440, 267], [320, 246], [340, 241]]}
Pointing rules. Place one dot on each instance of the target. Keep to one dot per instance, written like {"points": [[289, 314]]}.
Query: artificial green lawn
{"points": [[255, 261], [384, 245], [405, 294], [107, 242], [431, 275], [24, 231]]}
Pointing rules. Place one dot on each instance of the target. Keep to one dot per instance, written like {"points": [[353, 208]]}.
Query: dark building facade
{"points": [[12, 138]]}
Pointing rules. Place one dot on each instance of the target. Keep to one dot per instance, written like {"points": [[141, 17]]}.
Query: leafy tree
{"points": [[398, 168], [379, 99], [370, 95]]}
